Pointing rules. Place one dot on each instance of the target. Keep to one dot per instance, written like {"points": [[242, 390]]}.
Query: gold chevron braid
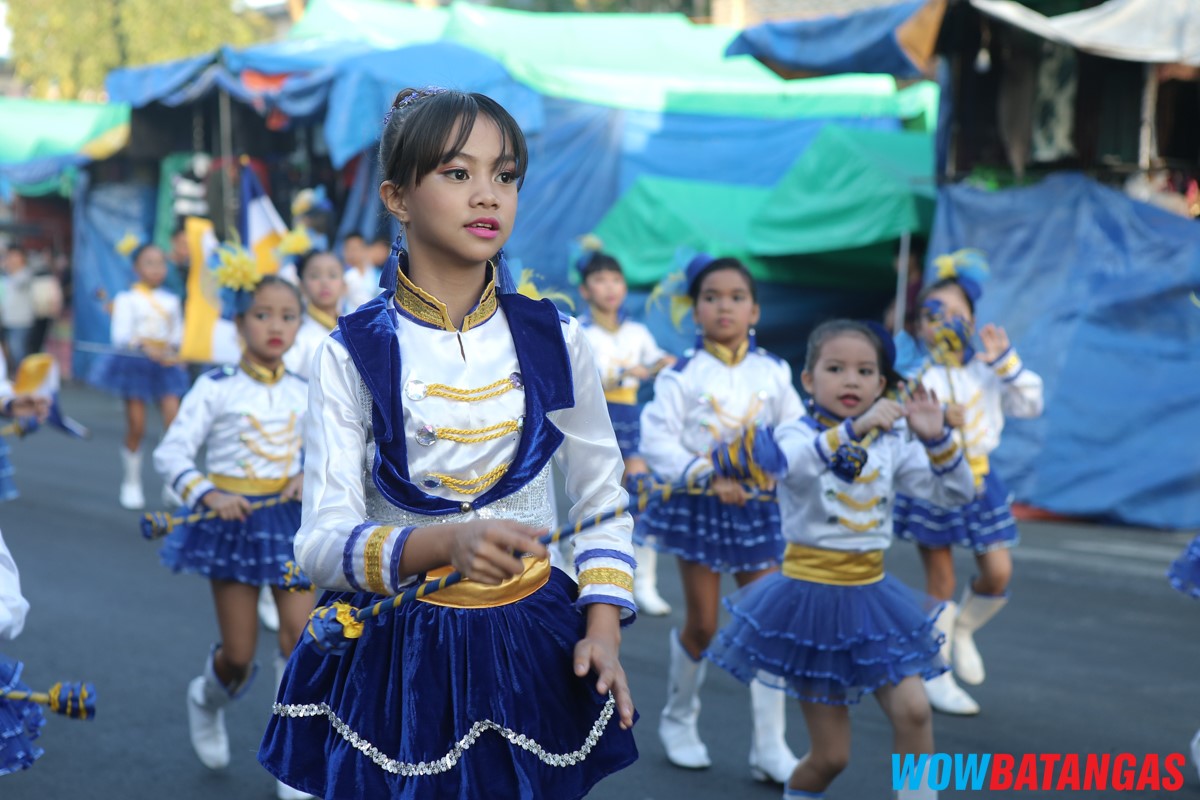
{"points": [[161, 526]]}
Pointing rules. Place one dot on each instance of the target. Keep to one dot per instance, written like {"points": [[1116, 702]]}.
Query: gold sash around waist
{"points": [[836, 567], [622, 395], [469, 594], [252, 486]]}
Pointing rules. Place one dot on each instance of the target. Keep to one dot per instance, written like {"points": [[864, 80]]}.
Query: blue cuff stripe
{"points": [[609, 600], [947, 432], [1014, 376], [348, 555], [397, 551], [602, 553], [949, 467], [1001, 357], [182, 475]]}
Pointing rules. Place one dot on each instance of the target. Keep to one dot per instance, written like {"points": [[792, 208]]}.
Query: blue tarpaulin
{"points": [[1096, 291]]}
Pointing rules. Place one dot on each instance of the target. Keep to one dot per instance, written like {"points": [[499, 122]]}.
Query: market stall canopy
{"points": [[39, 139], [1147, 31], [896, 39]]}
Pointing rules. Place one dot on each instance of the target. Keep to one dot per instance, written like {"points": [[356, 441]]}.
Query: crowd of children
{"points": [[401, 412]]}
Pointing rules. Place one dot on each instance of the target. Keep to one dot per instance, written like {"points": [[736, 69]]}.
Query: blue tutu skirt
{"points": [[133, 375], [828, 644], [723, 537], [627, 425], [1184, 573], [8, 486], [20, 722], [986, 523], [255, 551], [436, 703]]}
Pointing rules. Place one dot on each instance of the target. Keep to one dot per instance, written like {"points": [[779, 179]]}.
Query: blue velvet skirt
{"points": [[20, 722], [8, 486], [435, 703], [723, 537], [1184, 573], [828, 644], [986, 523], [255, 551], [627, 425], [133, 375]]}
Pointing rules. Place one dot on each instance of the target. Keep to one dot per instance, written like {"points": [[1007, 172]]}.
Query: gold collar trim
{"points": [[421, 304], [327, 321], [261, 374], [730, 358]]}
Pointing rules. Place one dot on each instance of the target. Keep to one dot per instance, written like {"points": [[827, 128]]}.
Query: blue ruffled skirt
{"points": [[723, 537], [20, 722], [828, 644], [986, 523], [133, 375], [627, 425], [437, 702], [1184, 573], [8, 486], [254, 551]]}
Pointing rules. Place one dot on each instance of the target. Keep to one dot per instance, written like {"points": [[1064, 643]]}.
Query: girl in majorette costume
{"points": [[14, 405], [627, 354], [981, 389], [20, 723], [434, 411], [832, 626], [147, 328], [249, 418], [321, 281], [708, 398]]}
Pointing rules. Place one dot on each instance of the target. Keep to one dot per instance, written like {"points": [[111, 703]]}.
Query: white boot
{"points": [[677, 725], [974, 612], [925, 792], [268, 613], [770, 758], [944, 694], [645, 583], [282, 790], [1195, 748], [132, 497], [206, 701]]}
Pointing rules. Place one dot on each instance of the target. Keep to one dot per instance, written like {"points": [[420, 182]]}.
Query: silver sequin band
{"points": [[408, 769]]}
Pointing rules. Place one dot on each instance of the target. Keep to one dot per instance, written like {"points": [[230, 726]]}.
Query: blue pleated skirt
{"points": [[627, 425], [1184, 573], [20, 722], [133, 375], [255, 551], [986, 523], [435, 703], [723, 537], [8, 486], [828, 644]]}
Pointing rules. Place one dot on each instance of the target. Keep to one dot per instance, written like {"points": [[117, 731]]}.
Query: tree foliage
{"points": [[65, 47]]}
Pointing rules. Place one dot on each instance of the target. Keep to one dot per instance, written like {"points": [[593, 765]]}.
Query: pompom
{"points": [[236, 268], [295, 242]]}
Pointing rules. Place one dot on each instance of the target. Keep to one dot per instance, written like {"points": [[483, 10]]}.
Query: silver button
{"points": [[521, 422], [464, 507], [426, 435], [416, 390]]}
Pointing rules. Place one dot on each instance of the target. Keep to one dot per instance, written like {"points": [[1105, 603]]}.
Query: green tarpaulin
{"points": [[42, 140], [831, 220]]}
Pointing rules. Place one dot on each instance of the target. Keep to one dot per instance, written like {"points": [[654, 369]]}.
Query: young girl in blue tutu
{"points": [[20, 722], [147, 328], [249, 419], [434, 412], [324, 287], [981, 389], [711, 396], [15, 406], [627, 355], [832, 626]]}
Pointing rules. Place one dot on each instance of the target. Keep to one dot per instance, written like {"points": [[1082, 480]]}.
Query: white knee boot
{"points": [[975, 611], [132, 497], [206, 701], [944, 694], [770, 757], [677, 727], [645, 583], [924, 792], [282, 790]]}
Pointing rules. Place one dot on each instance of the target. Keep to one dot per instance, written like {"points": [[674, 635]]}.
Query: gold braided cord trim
{"points": [[373, 558], [472, 485], [975, 398], [478, 435], [859, 505], [471, 395], [859, 527], [870, 477], [938, 459], [608, 575], [275, 437], [976, 439]]}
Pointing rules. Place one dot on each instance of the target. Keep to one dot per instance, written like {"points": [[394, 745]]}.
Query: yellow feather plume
{"points": [[129, 242], [527, 287], [236, 269], [678, 305], [590, 242], [295, 242], [964, 261]]}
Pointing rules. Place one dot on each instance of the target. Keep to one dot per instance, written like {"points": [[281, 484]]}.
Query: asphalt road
{"points": [[1095, 654]]}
